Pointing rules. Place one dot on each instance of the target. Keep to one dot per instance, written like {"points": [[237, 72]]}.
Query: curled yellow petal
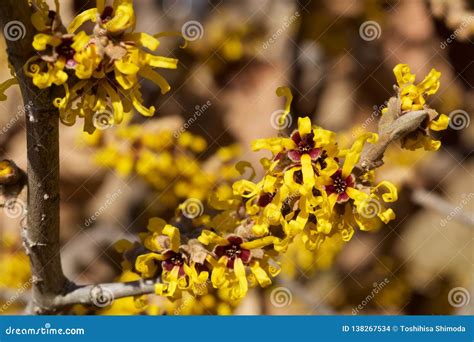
{"points": [[391, 195], [430, 84], [137, 104], [284, 91], [304, 125], [116, 102], [403, 75], [208, 237], [5, 85], [173, 233], [308, 172], [156, 78], [161, 62], [144, 39], [42, 40], [353, 156], [156, 224], [439, 124], [260, 274], [124, 16], [239, 270], [146, 264], [80, 19], [260, 243], [387, 215]]}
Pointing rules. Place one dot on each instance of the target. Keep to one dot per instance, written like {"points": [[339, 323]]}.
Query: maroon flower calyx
{"points": [[232, 251], [172, 260], [339, 186], [265, 199], [304, 145]]}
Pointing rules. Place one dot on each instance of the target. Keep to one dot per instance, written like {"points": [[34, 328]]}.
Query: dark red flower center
{"points": [[107, 14], [339, 186], [65, 48], [304, 145], [172, 260], [233, 251], [265, 199]]}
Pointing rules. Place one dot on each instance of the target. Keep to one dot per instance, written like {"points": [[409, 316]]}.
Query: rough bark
{"points": [[41, 234]]}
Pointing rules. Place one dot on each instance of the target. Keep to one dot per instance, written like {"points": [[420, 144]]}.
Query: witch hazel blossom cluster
{"points": [[99, 70], [412, 97], [308, 190], [312, 191], [314, 194]]}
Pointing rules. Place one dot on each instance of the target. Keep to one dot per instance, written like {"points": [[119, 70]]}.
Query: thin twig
{"points": [[433, 201], [104, 294], [393, 126]]}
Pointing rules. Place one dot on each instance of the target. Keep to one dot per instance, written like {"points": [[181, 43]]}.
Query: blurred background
{"points": [[337, 57]]}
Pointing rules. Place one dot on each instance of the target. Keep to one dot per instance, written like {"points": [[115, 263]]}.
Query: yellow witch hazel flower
{"points": [[290, 175], [299, 259], [412, 98], [359, 203], [56, 55], [313, 193], [238, 264], [168, 163], [179, 268], [108, 63], [310, 188]]}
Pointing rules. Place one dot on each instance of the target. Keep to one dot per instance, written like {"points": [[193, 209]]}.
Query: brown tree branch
{"points": [[51, 290], [104, 294], [393, 126], [41, 235]]}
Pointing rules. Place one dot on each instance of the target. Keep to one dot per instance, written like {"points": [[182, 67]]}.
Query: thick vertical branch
{"points": [[41, 236]]}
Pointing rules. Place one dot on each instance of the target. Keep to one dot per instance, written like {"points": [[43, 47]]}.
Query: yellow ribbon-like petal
{"points": [[208, 237], [80, 19], [439, 124], [146, 264], [304, 125], [174, 235]]}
